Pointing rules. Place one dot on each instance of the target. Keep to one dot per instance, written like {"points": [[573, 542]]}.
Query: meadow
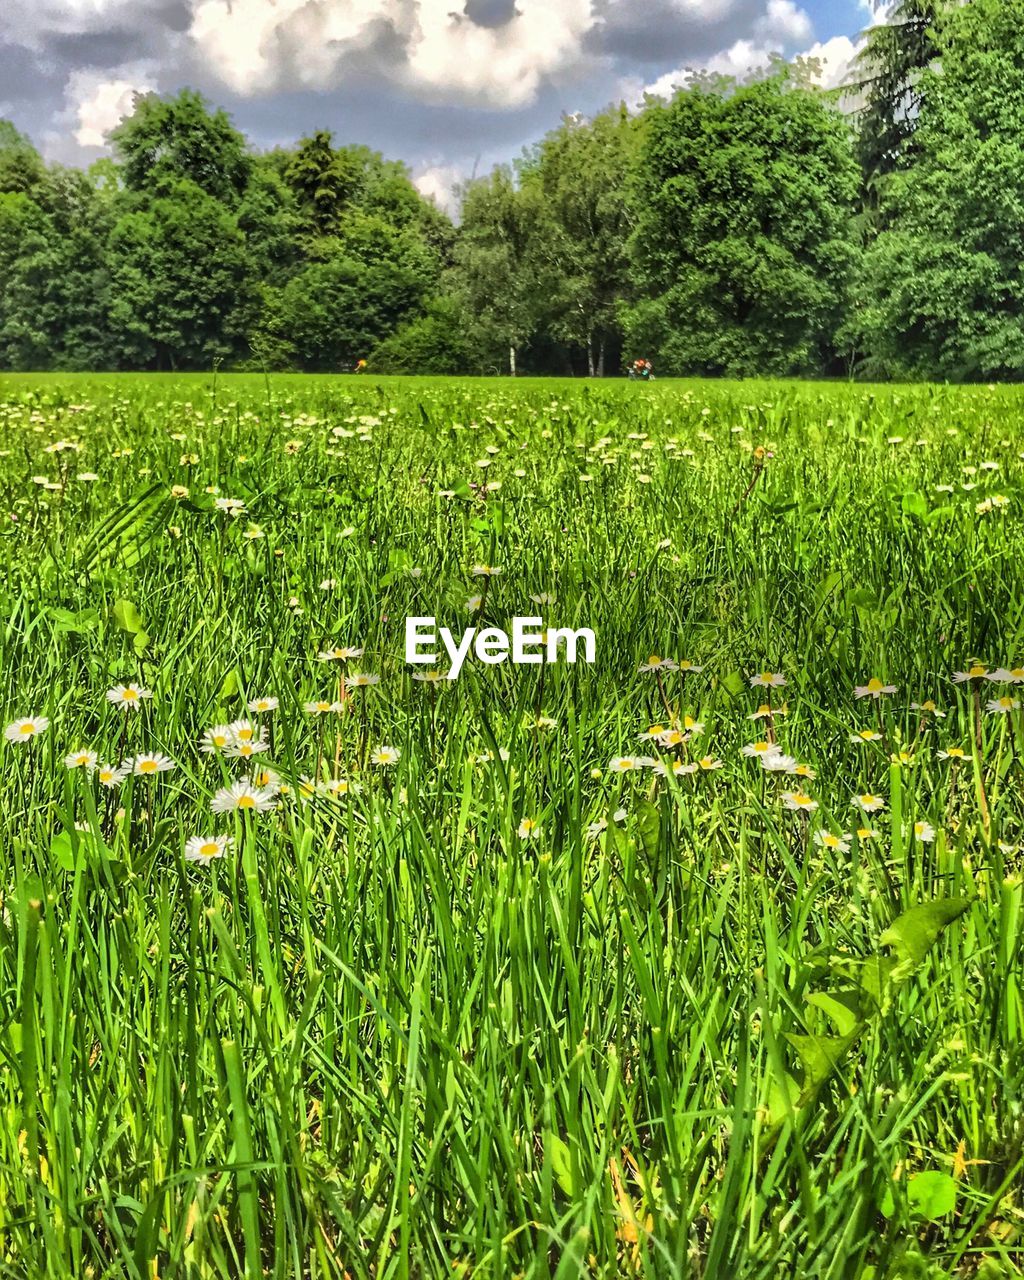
{"points": [[702, 960]]}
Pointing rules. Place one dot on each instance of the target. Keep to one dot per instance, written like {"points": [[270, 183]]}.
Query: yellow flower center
{"points": [[26, 730], [874, 685], [209, 849], [147, 766], [246, 802], [976, 671], [129, 695]]}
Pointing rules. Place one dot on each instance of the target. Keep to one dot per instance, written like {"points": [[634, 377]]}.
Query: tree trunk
{"points": [[512, 361], [590, 356], [600, 360]]}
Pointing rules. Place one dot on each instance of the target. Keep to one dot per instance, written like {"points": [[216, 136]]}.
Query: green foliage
{"points": [[438, 342], [942, 294], [743, 243]]}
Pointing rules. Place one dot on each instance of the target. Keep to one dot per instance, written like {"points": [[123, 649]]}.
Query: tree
{"points": [[167, 140], [581, 171], [892, 63], [743, 244], [943, 289], [496, 259], [21, 167], [182, 292]]}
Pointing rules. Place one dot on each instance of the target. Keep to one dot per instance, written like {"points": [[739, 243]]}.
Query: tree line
{"points": [[763, 228]]}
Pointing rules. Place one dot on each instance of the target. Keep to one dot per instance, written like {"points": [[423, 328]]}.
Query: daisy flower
{"points": [[245, 731], [485, 570], [977, 671], [1002, 706], [798, 802], [685, 665], [924, 832], [676, 768], [27, 729], [232, 507], [801, 770], [361, 680], [708, 763], [337, 787], [339, 655], [672, 738], [768, 680], [148, 764], [867, 833], [929, 708], [868, 803], [952, 753], [321, 708], [216, 739], [473, 604], [385, 755], [865, 735], [837, 844], [84, 759], [627, 764], [429, 677], [777, 763], [129, 697], [239, 750], [110, 775], [873, 689], [528, 829], [654, 663], [204, 849], [760, 749], [261, 705], [243, 796], [767, 712]]}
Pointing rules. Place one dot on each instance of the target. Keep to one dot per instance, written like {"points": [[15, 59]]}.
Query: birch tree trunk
{"points": [[512, 361]]}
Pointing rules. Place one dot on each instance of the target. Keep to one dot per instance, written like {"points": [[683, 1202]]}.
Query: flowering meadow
{"points": [[699, 960]]}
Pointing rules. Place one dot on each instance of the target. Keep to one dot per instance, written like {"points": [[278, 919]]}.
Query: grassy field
{"points": [[702, 960]]}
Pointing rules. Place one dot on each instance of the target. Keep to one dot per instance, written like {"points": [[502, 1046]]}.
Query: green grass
{"points": [[388, 1036]]}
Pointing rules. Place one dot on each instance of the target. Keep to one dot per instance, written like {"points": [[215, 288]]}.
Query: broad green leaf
{"points": [[914, 933]]}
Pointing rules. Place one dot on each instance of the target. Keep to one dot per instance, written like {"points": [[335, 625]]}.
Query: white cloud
{"points": [[97, 105], [423, 45], [438, 182], [781, 29]]}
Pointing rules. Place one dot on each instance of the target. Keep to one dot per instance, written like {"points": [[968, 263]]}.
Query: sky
{"points": [[451, 87]]}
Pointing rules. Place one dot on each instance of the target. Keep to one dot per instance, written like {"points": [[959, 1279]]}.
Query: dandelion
{"points": [[27, 729], [385, 755], [242, 796], [834, 843], [84, 759], [216, 739], [798, 802], [149, 764], [128, 697], [205, 849], [768, 680], [260, 706], [1002, 706], [528, 829], [873, 689]]}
